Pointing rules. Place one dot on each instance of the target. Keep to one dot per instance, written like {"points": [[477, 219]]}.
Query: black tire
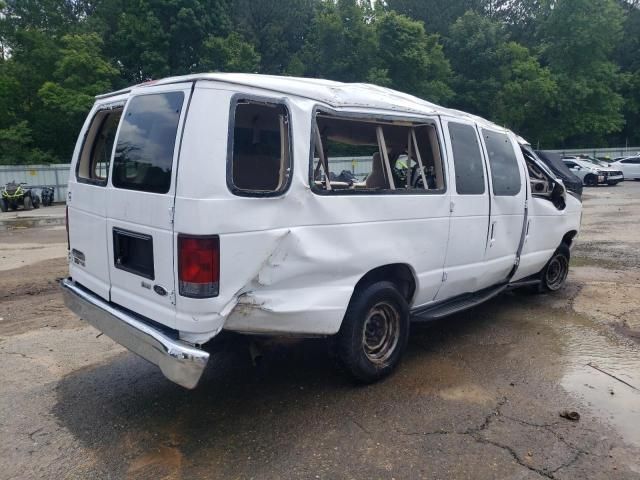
{"points": [[612, 184], [374, 332], [591, 180], [28, 203], [554, 274], [36, 201], [4, 206]]}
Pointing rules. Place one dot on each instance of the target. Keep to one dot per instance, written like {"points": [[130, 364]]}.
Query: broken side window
{"points": [[95, 156], [542, 180], [353, 154], [260, 154]]}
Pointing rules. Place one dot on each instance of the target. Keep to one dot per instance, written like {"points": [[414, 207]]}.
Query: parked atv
{"points": [[46, 195], [14, 195]]}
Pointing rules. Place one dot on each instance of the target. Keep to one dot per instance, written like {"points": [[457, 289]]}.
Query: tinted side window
{"points": [[147, 139], [260, 160], [505, 173], [93, 164], [467, 159]]}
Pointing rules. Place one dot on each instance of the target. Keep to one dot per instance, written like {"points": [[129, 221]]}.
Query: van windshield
{"points": [[144, 153]]}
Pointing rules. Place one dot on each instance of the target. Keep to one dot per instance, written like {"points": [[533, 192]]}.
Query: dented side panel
{"points": [[289, 264], [305, 284]]}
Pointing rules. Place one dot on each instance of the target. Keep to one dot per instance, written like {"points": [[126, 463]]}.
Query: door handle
{"points": [[492, 238]]}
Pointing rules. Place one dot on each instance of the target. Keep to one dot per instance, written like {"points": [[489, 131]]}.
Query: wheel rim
{"points": [[556, 272], [381, 332]]}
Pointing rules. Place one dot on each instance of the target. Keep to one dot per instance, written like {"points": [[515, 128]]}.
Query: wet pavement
{"points": [[477, 396]]}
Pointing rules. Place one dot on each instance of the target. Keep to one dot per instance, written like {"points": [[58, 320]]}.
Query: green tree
{"points": [[229, 54], [472, 48], [436, 15], [578, 41], [156, 38], [17, 146], [81, 72], [413, 60], [277, 29], [341, 43], [526, 96], [500, 79]]}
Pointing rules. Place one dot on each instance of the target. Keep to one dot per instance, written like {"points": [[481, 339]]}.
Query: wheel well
{"points": [[398, 273], [568, 237]]}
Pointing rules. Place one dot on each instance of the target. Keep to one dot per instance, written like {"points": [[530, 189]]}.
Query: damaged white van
{"points": [[288, 206]]}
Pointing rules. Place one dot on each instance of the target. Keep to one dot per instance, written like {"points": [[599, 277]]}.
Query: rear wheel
{"points": [[374, 332], [36, 201], [591, 180], [28, 203], [554, 274]]}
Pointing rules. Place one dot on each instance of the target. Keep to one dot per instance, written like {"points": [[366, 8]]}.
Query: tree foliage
{"points": [[560, 72]]}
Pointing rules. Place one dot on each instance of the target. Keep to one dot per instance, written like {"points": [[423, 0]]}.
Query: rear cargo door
{"points": [[141, 201], [87, 196]]}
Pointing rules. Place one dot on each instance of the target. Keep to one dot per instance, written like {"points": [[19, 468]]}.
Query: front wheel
{"points": [[554, 274], [4, 205], [591, 180], [374, 332], [28, 203]]}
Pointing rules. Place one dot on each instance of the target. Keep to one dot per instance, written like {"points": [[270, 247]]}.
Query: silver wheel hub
{"points": [[381, 332], [556, 272]]}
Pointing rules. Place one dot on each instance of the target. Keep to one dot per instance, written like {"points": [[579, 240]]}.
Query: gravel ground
{"points": [[477, 397]]}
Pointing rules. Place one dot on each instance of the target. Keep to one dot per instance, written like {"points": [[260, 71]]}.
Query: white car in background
{"points": [[593, 172], [630, 167]]}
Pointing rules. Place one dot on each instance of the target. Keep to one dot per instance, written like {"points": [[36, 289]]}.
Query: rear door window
{"points": [[467, 159], [505, 172], [144, 153], [93, 165]]}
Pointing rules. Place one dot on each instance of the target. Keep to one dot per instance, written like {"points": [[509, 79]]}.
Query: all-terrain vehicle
{"points": [[14, 195], [46, 194]]}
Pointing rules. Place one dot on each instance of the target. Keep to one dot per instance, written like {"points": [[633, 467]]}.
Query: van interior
{"points": [[355, 154]]}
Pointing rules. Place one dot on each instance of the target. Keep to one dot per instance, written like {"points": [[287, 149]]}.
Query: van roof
{"points": [[332, 93]]}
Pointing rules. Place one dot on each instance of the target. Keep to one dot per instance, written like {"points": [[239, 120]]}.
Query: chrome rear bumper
{"points": [[178, 361]]}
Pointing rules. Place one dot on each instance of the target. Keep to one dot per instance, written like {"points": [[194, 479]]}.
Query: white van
{"points": [[287, 206]]}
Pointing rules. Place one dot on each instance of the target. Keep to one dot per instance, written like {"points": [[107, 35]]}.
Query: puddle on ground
{"points": [[21, 223], [592, 359]]}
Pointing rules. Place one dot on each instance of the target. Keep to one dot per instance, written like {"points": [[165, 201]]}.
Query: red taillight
{"points": [[198, 266], [66, 224]]}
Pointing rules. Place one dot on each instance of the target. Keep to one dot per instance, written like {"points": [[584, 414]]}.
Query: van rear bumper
{"points": [[178, 361]]}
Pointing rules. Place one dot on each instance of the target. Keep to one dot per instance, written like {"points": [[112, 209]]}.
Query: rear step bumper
{"points": [[178, 361]]}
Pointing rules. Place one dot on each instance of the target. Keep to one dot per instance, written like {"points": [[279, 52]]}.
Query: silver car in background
{"points": [[592, 171]]}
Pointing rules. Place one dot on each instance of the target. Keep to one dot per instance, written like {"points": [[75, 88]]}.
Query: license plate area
{"points": [[133, 253]]}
